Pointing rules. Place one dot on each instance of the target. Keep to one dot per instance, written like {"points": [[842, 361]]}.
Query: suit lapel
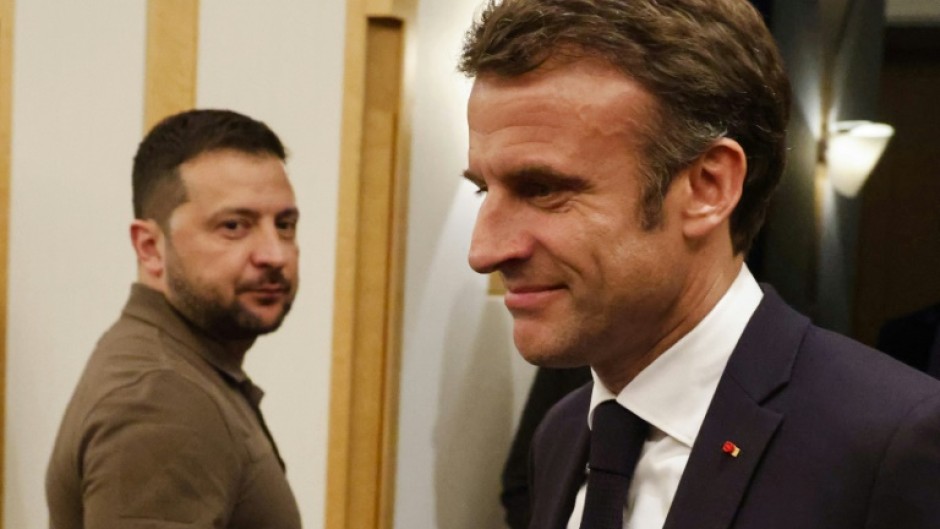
{"points": [[715, 482], [559, 459]]}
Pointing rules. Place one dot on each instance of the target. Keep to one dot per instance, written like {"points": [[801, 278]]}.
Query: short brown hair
{"points": [[711, 65], [157, 187]]}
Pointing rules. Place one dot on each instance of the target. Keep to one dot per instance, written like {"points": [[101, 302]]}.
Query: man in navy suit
{"points": [[627, 150]]}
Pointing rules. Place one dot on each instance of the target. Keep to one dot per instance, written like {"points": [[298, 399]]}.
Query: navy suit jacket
{"points": [[833, 435], [914, 339]]}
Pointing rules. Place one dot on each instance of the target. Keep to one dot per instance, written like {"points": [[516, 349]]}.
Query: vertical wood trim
{"points": [[369, 271], [496, 287], [172, 40], [338, 449], [385, 56], [6, 118]]}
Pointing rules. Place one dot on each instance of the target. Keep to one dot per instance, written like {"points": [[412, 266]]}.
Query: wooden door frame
{"points": [[6, 119], [365, 372]]}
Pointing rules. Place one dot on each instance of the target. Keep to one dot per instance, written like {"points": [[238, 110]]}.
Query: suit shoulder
{"points": [[852, 387], [864, 368]]}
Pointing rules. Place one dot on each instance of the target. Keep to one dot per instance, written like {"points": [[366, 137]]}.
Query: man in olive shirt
{"points": [[164, 428]]}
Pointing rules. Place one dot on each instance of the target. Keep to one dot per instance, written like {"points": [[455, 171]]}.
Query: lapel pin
{"points": [[731, 449]]}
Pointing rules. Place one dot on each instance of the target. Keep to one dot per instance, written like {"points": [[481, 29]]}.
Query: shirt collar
{"points": [[152, 306], [673, 393]]}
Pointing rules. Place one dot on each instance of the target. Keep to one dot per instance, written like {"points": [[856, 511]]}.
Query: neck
{"points": [[237, 348], [689, 309], [150, 280]]}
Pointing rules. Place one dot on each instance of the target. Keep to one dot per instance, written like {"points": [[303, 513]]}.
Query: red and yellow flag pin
{"points": [[731, 449]]}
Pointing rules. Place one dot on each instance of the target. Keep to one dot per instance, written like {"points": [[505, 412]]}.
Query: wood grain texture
{"points": [[6, 118], [397, 9], [172, 40], [899, 229], [496, 287], [369, 271]]}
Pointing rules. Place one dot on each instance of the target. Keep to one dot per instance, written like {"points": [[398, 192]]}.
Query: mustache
{"points": [[272, 278]]}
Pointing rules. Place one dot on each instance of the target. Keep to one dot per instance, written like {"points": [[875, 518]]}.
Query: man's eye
{"points": [[536, 190], [233, 227], [287, 228], [481, 189]]}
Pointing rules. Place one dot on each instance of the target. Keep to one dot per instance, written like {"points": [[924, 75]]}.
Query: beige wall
{"points": [[281, 61], [77, 117], [462, 382], [78, 81]]}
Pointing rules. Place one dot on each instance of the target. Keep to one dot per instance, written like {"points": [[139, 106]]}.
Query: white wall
{"points": [[77, 116], [281, 61], [77, 119], [462, 382]]}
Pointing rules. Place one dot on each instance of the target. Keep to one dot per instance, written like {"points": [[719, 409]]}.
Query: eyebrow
{"points": [[291, 212], [473, 178], [541, 173]]}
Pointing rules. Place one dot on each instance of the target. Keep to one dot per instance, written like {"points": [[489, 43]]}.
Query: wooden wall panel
{"points": [[899, 232], [172, 40], [369, 271], [6, 117], [367, 306]]}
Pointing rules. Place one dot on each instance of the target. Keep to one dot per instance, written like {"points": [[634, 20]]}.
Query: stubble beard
{"points": [[210, 312], [581, 335], [556, 348]]}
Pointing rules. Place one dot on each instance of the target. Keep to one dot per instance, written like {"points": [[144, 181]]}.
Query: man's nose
{"points": [[499, 236], [271, 249]]}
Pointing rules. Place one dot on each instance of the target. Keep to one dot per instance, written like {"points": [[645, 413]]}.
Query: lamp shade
{"points": [[854, 149]]}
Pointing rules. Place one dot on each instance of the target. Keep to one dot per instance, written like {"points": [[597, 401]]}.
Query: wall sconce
{"points": [[854, 149]]}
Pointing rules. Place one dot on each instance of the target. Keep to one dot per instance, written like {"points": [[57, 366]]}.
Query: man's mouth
{"points": [[530, 296], [273, 289], [266, 288]]}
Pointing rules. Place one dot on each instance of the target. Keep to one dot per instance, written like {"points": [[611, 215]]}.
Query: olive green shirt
{"points": [[162, 432]]}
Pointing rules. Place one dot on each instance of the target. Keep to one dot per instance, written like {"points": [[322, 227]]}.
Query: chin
{"points": [[550, 355], [263, 320], [271, 323]]}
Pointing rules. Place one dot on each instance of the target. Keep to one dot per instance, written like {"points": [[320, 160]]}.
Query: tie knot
{"points": [[617, 436]]}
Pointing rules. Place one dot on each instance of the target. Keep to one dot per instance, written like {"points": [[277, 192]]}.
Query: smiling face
{"points": [[558, 152], [231, 251]]}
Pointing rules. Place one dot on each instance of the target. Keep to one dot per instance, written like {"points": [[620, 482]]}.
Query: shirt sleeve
{"points": [[157, 454]]}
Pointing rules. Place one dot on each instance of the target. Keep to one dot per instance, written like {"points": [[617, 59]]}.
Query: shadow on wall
{"points": [[475, 422]]}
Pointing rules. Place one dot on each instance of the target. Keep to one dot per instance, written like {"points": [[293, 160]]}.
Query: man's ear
{"points": [[148, 240], [715, 184]]}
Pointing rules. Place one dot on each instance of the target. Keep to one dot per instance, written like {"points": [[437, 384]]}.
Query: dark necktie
{"points": [[617, 437], [253, 395]]}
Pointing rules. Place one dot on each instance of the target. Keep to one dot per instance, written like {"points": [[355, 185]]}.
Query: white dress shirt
{"points": [[673, 394]]}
